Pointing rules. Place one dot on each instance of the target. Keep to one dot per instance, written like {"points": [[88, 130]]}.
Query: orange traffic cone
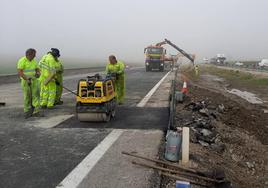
{"points": [[184, 89]]}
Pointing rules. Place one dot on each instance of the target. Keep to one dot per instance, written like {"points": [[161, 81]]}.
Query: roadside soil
{"points": [[241, 126]]}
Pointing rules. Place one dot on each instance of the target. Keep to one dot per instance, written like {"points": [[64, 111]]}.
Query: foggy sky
{"points": [[90, 30]]}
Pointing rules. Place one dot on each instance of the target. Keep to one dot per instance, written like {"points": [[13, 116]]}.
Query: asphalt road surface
{"points": [[41, 152]]}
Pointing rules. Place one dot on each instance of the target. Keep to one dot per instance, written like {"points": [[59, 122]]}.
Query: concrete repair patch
{"points": [[49, 122]]}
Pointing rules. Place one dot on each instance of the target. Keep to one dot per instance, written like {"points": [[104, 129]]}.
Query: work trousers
{"points": [[120, 88], [59, 88], [48, 94], [30, 95]]}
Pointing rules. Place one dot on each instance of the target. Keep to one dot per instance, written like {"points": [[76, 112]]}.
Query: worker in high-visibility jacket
{"points": [[48, 65], [117, 67], [59, 82], [196, 69], [29, 72]]}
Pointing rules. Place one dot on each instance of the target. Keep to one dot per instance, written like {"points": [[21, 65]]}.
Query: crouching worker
{"points": [[117, 67], [29, 72]]}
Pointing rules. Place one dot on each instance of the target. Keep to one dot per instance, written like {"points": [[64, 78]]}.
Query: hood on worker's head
{"points": [[55, 52]]}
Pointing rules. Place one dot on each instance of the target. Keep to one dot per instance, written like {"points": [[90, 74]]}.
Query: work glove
{"points": [[29, 81], [37, 75], [57, 82]]}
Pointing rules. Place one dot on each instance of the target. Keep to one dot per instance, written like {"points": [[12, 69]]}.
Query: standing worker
{"points": [[29, 72], [196, 70], [59, 78], [117, 67], [48, 65]]}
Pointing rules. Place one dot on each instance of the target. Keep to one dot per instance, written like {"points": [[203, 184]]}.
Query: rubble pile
{"points": [[200, 117]]}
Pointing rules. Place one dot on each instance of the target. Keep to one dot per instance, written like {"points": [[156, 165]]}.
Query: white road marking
{"points": [[81, 171], [143, 102]]}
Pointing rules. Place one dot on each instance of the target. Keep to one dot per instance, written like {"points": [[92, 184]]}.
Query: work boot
{"points": [[59, 103], [27, 114], [38, 114], [51, 107]]}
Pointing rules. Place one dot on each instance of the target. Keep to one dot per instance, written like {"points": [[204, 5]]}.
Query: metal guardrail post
{"points": [[172, 111]]}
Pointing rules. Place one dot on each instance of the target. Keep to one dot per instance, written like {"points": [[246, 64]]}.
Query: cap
{"points": [[55, 52]]}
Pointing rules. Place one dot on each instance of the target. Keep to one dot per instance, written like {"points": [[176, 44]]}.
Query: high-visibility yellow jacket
{"points": [[59, 70], [28, 67], [118, 68], [47, 66]]}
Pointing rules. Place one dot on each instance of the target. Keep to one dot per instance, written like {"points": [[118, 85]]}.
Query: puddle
{"points": [[250, 97]]}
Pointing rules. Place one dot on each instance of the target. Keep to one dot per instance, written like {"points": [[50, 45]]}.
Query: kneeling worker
{"points": [[117, 67], [29, 72]]}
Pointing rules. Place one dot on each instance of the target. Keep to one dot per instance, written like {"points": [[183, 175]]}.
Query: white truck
{"points": [[263, 63]]}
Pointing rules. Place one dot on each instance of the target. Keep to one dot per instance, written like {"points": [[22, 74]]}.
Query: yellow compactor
{"points": [[96, 99]]}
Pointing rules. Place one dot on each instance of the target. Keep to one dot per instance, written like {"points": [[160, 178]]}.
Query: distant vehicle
{"points": [[205, 59], [218, 60], [263, 63], [239, 64]]}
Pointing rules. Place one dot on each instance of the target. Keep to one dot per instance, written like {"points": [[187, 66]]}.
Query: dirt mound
{"points": [[253, 120], [242, 131]]}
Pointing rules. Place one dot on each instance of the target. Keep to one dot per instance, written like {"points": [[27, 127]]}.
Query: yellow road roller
{"points": [[96, 99]]}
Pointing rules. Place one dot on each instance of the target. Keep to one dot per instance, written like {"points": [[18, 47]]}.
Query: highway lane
{"points": [[41, 157]]}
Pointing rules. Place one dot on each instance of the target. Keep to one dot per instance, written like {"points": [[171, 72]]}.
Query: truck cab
{"points": [[154, 58]]}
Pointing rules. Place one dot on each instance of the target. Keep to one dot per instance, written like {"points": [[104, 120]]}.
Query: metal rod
{"points": [[70, 91], [177, 172], [161, 162]]}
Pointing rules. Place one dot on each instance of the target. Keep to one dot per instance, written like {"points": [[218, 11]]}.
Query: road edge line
{"points": [[144, 101], [75, 178]]}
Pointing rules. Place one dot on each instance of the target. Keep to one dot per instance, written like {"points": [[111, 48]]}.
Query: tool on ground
{"points": [[29, 82], [96, 100], [179, 170], [184, 174]]}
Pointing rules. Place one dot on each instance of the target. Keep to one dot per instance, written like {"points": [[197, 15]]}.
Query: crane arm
{"points": [[161, 43], [177, 48]]}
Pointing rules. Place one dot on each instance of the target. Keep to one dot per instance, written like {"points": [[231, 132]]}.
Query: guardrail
{"points": [[172, 102]]}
